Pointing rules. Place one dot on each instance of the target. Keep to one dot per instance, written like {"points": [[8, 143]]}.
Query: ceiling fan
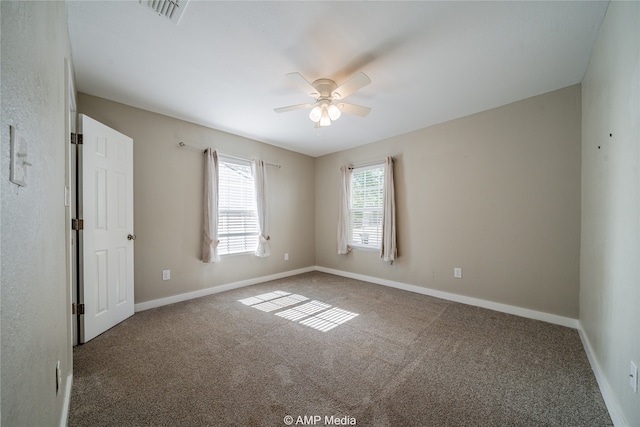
{"points": [[328, 94]]}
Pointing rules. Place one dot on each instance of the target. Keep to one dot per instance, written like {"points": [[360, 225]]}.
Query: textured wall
{"points": [[496, 193], [610, 251], [168, 188], [35, 296]]}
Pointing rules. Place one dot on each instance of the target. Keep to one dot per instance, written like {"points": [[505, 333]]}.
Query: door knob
{"points": [[131, 237]]}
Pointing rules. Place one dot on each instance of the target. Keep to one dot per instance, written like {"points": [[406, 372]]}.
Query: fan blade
{"points": [[356, 110], [355, 83], [303, 84], [292, 107]]}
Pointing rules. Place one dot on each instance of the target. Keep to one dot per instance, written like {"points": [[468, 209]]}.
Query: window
{"points": [[365, 206], [237, 213]]}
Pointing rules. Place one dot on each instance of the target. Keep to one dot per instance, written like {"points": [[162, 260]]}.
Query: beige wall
{"points": [[610, 275], [168, 188], [35, 296], [496, 193]]}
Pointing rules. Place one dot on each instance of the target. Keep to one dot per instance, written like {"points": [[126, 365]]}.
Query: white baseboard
{"points": [[615, 412], [504, 308], [222, 288], [64, 418]]}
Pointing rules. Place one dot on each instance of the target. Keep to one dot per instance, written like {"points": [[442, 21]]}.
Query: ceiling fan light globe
{"points": [[325, 120], [334, 112], [315, 114]]}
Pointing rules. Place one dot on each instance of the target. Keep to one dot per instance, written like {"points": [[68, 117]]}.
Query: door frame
{"points": [[70, 197]]}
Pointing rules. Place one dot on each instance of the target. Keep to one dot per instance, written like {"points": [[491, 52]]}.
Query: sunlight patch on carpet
{"points": [[304, 310], [329, 319], [280, 303], [314, 314], [263, 297]]}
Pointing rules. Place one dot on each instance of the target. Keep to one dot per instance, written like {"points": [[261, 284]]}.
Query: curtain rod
{"points": [[184, 144], [363, 165]]}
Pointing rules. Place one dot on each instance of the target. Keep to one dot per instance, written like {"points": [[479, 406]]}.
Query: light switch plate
{"points": [[19, 161]]}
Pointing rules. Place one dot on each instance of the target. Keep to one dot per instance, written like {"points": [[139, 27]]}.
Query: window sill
{"points": [[237, 254], [365, 248]]}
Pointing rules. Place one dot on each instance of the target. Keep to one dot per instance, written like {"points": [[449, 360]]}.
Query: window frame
{"points": [[224, 245], [366, 209]]}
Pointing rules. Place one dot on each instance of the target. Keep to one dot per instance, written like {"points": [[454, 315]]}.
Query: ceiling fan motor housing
{"points": [[325, 88]]}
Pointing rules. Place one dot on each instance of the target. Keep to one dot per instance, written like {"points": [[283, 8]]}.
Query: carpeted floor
{"points": [[404, 360]]}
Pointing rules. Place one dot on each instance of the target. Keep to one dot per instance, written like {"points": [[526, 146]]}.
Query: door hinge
{"points": [[76, 138], [80, 308], [77, 224], [73, 308]]}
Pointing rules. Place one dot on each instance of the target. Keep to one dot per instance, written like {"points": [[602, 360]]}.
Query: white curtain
{"points": [[259, 178], [210, 241], [343, 215], [388, 249]]}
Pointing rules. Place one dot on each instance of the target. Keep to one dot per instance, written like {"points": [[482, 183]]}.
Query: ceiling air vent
{"points": [[170, 9]]}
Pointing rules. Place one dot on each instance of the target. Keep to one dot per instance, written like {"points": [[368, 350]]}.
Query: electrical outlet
{"points": [[166, 274], [457, 273], [633, 377], [286, 256]]}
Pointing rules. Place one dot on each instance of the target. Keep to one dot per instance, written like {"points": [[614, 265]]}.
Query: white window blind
{"points": [[365, 206], [237, 212]]}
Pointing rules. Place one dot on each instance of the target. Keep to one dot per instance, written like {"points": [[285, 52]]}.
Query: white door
{"points": [[106, 239]]}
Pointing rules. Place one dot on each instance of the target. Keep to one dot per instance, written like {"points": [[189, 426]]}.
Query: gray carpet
{"points": [[404, 360]]}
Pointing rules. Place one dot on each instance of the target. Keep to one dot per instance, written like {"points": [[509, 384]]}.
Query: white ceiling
{"points": [[224, 64]]}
